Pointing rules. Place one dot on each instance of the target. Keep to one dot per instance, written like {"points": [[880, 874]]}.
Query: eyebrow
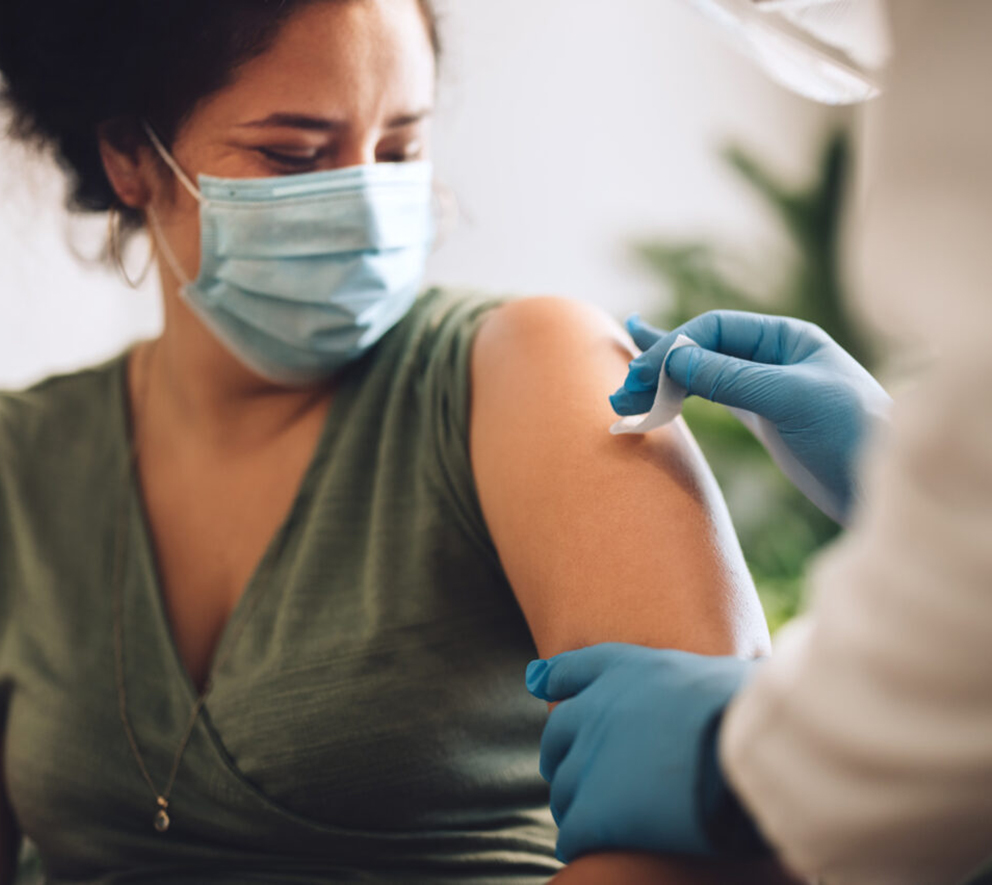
{"points": [[324, 124]]}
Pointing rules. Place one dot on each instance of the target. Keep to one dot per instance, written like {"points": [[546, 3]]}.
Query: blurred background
{"points": [[618, 153]]}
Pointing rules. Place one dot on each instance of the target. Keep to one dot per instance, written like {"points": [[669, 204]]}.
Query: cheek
{"points": [[180, 233], [190, 242]]}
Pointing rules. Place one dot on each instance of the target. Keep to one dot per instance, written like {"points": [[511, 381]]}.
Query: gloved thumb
{"points": [[741, 384], [569, 672]]}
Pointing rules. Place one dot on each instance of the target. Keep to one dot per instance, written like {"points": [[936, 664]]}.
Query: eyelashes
{"points": [[296, 162], [288, 162]]}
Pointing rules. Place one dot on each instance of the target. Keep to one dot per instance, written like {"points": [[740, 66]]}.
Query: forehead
{"points": [[350, 59]]}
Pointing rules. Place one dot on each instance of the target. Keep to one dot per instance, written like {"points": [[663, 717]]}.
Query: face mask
{"points": [[301, 274]]}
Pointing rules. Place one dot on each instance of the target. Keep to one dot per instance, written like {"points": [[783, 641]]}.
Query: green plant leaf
{"points": [[779, 529]]}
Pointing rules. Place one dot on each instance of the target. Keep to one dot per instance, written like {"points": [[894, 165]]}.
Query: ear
{"points": [[125, 163]]}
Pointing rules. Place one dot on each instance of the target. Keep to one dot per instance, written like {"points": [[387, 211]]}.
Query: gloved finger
{"points": [[566, 674], [625, 402], [644, 334], [567, 778], [643, 372], [759, 337], [559, 735], [578, 832], [733, 382]]}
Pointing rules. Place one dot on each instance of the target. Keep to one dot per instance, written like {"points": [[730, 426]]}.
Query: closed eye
{"points": [[407, 153], [297, 162]]}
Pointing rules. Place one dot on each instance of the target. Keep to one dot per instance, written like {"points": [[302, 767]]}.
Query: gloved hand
{"points": [[630, 753], [819, 399]]}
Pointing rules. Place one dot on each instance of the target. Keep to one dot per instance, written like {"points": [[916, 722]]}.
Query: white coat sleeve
{"points": [[863, 749]]}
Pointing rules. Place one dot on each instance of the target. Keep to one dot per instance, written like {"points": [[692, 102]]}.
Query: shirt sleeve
{"points": [[863, 749], [446, 396]]}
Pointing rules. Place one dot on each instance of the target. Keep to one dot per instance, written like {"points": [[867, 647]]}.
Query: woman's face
{"points": [[343, 84]]}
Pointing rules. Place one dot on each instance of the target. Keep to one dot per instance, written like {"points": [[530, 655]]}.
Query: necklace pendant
{"points": [[162, 818]]}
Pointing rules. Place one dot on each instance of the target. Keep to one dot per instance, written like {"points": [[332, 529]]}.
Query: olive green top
{"points": [[368, 720], [983, 877]]}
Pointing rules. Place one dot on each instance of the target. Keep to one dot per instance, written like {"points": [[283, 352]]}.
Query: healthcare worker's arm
{"points": [[863, 749], [807, 400]]}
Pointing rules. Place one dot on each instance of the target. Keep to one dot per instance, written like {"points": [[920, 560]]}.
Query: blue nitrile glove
{"points": [[819, 400], [630, 753]]}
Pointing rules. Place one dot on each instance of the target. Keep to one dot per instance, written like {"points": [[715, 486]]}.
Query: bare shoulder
{"points": [[603, 538], [538, 311], [539, 328], [549, 359]]}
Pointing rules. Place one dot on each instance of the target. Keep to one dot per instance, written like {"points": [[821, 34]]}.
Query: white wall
{"points": [[566, 128]]}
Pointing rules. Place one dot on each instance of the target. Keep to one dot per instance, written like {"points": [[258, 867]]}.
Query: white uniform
{"points": [[864, 748]]}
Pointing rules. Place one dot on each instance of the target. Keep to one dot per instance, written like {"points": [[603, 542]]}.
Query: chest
{"points": [[370, 689], [210, 524]]}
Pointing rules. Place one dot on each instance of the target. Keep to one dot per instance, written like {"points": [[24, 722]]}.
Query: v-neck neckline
{"points": [[138, 525]]}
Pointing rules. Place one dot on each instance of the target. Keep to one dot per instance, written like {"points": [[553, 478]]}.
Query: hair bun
{"points": [[70, 65]]}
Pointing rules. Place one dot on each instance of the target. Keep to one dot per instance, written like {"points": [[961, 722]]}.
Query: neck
{"points": [[202, 395]]}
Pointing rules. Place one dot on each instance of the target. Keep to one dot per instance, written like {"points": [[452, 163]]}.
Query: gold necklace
{"points": [[161, 821]]}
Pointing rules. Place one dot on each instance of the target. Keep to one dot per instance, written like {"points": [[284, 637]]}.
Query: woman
{"points": [[268, 584]]}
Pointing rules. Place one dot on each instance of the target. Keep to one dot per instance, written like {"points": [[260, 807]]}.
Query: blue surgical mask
{"points": [[301, 274]]}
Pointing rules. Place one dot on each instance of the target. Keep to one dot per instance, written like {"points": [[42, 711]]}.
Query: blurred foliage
{"points": [[778, 528]]}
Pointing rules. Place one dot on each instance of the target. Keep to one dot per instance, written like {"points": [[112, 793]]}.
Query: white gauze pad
{"points": [[668, 406], [667, 402]]}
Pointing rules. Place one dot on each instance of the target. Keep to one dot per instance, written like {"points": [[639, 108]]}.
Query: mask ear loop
{"points": [[162, 242], [170, 161], [159, 234]]}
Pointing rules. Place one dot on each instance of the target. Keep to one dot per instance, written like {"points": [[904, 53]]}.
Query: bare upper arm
{"points": [[603, 538], [647, 869]]}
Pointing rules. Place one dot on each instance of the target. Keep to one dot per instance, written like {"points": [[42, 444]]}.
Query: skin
{"points": [[210, 430], [603, 538], [647, 869]]}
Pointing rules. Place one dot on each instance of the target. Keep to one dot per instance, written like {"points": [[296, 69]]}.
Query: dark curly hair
{"points": [[69, 66]]}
